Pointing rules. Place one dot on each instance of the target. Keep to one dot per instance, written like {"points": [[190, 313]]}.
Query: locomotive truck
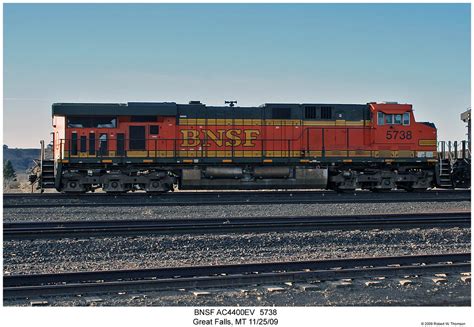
{"points": [[158, 147]]}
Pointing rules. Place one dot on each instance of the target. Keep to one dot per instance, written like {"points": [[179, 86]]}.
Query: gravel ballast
{"points": [[104, 213], [153, 251], [45, 256], [420, 292]]}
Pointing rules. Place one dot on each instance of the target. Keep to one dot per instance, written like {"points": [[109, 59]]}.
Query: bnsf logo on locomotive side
{"points": [[219, 137]]}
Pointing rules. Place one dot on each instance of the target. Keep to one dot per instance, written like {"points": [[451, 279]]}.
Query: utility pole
{"points": [[466, 117]]}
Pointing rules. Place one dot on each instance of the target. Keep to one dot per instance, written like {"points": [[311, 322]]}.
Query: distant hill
{"points": [[22, 159]]}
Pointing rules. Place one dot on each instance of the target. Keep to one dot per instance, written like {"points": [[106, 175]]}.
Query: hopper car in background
{"points": [[157, 147]]}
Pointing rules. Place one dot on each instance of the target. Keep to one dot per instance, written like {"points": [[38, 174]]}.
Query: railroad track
{"points": [[62, 229], [50, 200], [20, 286], [217, 193]]}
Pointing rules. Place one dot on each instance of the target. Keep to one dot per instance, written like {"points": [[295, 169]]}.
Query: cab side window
{"points": [[398, 119], [406, 118], [379, 118], [389, 119]]}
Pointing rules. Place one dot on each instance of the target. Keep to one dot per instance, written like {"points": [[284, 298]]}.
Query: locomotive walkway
{"points": [[21, 286], [51, 200], [62, 229]]}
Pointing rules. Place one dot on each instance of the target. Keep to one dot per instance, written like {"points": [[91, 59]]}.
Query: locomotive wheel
{"points": [[74, 192], [344, 190], [415, 190], [379, 190], [410, 188], [116, 189], [166, 190], [73, 187]]}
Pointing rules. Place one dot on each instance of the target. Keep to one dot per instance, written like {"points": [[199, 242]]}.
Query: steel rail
{"points": [[58, 229], [221, 193], [227, 198], [15, 286]]}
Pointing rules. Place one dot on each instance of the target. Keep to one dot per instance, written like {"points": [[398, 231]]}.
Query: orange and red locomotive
{"points": [[159, 146]]}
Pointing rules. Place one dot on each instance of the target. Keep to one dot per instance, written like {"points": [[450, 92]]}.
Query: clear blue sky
{"points": [[334, 53]]}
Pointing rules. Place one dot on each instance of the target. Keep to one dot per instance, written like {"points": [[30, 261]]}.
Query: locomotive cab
{"points": [[396, 134]]}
